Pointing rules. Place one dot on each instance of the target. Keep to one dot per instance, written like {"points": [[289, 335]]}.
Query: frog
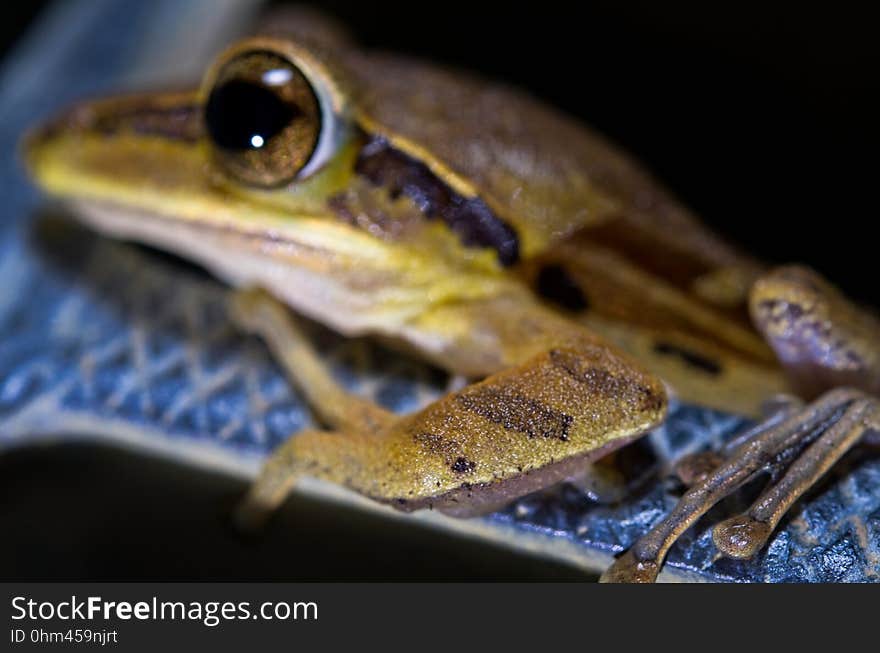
{"points": [[467, 223]]}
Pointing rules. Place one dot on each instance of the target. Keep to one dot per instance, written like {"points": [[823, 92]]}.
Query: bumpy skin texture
{"points": [[562, 399]]}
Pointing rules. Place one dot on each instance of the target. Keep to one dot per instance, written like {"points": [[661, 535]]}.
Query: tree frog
{"points": [[468, 223]]}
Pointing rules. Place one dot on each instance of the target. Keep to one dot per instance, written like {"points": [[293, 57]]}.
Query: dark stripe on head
{"points": [[182, 122]]}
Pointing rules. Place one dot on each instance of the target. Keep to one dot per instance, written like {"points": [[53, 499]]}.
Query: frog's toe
{"points": [[629, 569], [741, 537], [819, 444]]}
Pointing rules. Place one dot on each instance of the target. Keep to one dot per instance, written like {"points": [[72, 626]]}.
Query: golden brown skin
{"points": [[568, 401], [461, 220], [339, 247]]}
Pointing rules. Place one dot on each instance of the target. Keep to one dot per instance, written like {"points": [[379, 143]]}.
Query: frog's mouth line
{"points": [[469, 218]]}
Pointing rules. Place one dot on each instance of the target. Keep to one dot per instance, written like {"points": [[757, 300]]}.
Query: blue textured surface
{"points": [[104, 339]]}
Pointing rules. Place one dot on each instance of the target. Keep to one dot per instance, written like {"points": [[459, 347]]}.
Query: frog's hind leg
{"points": [[815, 438], [693, 468], [744, 535], [565, 403]]}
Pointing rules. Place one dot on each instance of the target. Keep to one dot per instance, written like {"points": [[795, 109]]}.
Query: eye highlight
{"points": [[263, 118]]}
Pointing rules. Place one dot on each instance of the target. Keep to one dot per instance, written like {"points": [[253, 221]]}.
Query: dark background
{"points": [[762, 117]]}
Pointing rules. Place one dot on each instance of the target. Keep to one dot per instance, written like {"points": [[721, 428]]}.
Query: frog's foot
{"points": [[255, 311], [694, 468], [855, 416], [814, 437]]}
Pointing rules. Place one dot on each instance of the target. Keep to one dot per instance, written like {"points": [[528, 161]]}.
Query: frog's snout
{"points": [[34, 145], [39, 141], [125, 144], [41, 148]]}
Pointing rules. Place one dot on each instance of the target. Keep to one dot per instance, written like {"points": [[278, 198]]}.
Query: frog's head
{"points": [[298, 125], [365, 190], [268, 136], [272, 173]]}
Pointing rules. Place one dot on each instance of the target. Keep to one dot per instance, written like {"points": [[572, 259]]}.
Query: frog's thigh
{"points": [[517, 431], [258, 312]]}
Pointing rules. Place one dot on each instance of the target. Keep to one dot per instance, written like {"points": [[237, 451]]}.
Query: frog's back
{"points": [[542, 172], [651, 277]]}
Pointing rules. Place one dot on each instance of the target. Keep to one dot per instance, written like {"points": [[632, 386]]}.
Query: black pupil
{"points": [[241, 115]]}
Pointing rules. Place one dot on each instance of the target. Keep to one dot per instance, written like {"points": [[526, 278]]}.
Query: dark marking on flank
{"points": [[438, 445], [599, 381], [517, 413], [690, 357], [469, 217], [463, 466], [555, 284]]}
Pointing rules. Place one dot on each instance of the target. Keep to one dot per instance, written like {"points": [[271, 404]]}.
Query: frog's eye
{"points": [[265, 120]]}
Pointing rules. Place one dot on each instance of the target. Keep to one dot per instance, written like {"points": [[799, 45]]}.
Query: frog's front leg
{"points": [[521, 429], [824, 341], [257, 312]]}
